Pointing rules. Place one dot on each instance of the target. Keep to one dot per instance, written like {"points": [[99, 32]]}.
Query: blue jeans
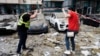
{"points": [[70, 39]]}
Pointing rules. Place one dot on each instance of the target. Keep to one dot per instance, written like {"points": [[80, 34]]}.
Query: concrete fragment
{"points": [[58, 49], [90, 34], [51, 40], [2, 39], [55, 34], [47, 53], [85, 52], [97, 43], [94, 50], [42, 35], [58, 38], [15, 36], [48, 43], [34, 54], [25, 53], [98, 54]]}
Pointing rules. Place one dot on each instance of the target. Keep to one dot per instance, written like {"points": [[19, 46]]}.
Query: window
{"points": [[7, 9]]}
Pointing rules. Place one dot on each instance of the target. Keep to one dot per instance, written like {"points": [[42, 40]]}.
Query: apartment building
{"points": [[17, 6], [87, 6], [52, 3], [57, 3]]}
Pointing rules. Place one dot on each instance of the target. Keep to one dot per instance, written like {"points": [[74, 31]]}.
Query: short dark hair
{"points": [[71, 8]]}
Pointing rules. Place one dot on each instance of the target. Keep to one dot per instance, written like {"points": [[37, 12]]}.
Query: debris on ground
{"points": [[53, 43]]}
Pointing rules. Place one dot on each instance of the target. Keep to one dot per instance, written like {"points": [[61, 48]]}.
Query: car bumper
{"points": [[6, 28], [62, 27], [6, 31], [39, 31]]}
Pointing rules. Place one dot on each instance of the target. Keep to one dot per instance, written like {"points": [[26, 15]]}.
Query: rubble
{"points": [[98, 54], [58, 49], [46, 53], [25, 53], [53, 43], [85, 52], [55, 34]]}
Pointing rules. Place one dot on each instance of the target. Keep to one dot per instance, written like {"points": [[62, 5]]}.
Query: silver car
{"points": [[8, 23], [38, 25]]}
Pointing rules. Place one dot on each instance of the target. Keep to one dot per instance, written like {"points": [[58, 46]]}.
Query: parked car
{"points": [[95, 17], [38, 25], [58, 21], [8, 23], [92, 20], [48, 12]]}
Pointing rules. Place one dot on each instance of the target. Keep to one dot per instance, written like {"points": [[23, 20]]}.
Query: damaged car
{"points": [[8, 23], [38, 25], [58, 21], [92, 20]]}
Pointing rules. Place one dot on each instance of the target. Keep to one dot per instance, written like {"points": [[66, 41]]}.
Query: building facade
{"points": [[82, 6], [57, 3], [20, 6], [52, 3], [17, 6], [87, 6]]}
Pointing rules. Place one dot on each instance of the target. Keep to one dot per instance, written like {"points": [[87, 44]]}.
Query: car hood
{"points": [[61, 20], [37, 24], [7, 22]]}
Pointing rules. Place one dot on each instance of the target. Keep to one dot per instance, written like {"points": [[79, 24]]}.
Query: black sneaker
{"points": [[30, 49], [25, 48], [18, 54]]}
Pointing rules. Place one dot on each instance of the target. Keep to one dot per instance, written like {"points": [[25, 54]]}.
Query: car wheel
{"points": [[50, 25], [46, 30], [56, 27]]}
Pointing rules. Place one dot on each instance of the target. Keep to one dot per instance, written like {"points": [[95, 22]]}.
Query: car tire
{"points": [[46, 30], [50, 25], [56, 27]]}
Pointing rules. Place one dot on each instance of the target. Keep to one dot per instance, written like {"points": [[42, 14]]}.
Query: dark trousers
{"points": [[22, 40], [70, 39]]}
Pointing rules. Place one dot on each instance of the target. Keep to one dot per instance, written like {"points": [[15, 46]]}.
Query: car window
{"points": [[59, 15], [52, 15], [38, 17]]}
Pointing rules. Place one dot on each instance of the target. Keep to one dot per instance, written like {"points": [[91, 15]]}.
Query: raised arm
{"points": [[34, 15], [65, 13]]}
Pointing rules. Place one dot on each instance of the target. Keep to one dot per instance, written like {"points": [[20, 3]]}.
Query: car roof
{"points": [[59, 15], [39, 20]]}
